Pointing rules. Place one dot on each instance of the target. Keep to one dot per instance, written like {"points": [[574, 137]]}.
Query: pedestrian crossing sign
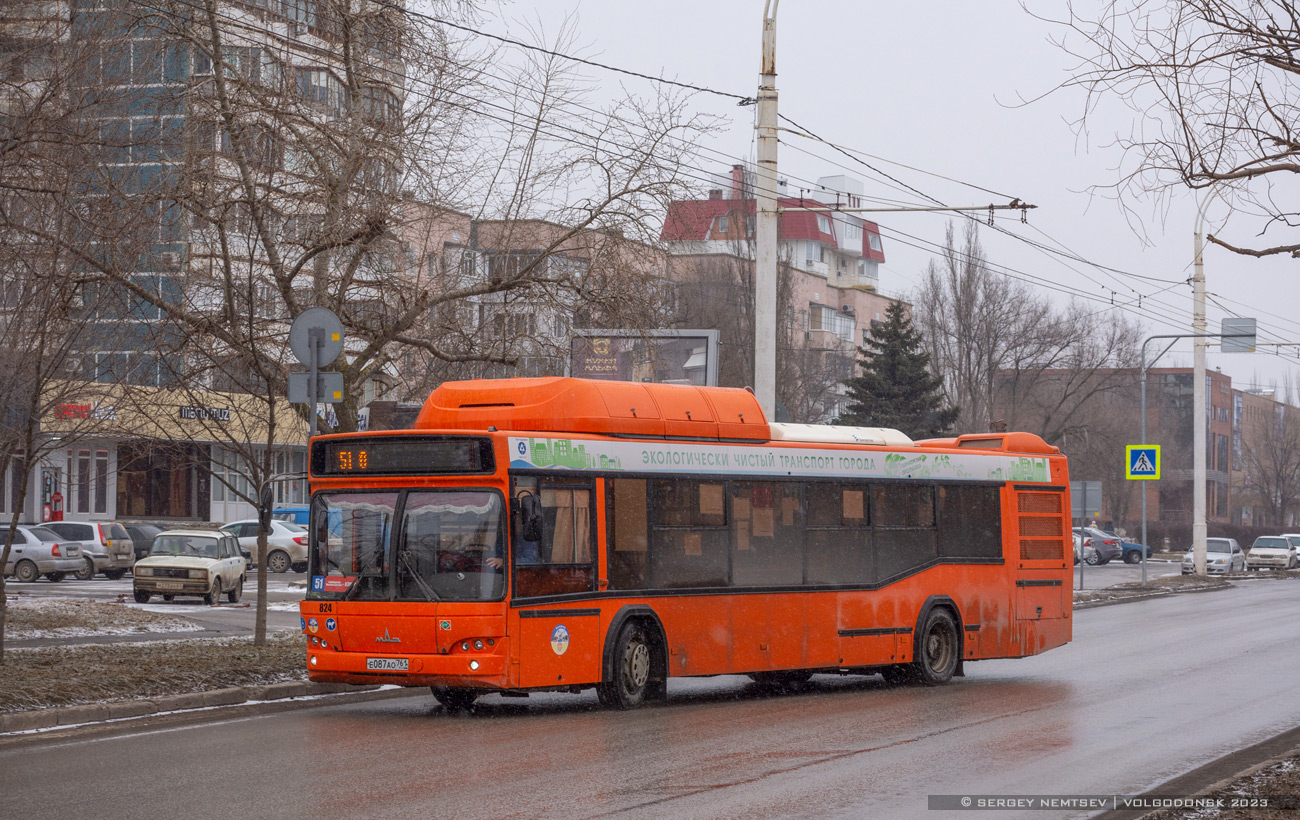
{"points": [[1142, 462]]}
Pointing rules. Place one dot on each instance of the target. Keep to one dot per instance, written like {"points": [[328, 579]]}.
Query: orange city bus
{"points": [[559, 534]]}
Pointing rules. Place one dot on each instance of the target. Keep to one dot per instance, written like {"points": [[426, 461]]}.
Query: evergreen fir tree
{"points": [[896, 388]]}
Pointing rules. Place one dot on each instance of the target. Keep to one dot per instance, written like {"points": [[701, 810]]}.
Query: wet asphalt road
{"points": [[1147, 691]]}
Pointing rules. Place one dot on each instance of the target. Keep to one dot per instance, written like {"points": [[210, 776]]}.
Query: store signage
{"points": [[207, 413], [85, 411]]}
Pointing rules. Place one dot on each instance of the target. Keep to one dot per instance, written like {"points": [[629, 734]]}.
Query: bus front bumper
{"points": [[474, 670]]}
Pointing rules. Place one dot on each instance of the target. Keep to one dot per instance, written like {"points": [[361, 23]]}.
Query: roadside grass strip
{"points": [[49, 676]]}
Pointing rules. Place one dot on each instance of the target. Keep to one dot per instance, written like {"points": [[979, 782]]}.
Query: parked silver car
{"points": [[286, 543], [37, 551], [1083, 549], [105, 546], [1222, 555], [1106, 547]]}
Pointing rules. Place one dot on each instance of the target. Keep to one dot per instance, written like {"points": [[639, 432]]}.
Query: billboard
{"points": [[660, 356]]}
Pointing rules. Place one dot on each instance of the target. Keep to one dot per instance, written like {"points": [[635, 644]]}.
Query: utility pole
{"points": [[767, 226], [1200, 418]]}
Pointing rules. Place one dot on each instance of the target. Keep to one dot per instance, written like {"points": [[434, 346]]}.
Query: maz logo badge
{"points": [[387, 638]]}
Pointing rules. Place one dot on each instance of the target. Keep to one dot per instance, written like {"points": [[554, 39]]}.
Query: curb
{"points": [[1147, 597], [36, 719], [1217, 774]]}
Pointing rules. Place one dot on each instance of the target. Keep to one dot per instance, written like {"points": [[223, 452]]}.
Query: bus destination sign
{"points": [[402, 455]]}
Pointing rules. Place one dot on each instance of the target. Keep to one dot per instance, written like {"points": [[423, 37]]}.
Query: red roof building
{"points": [[830, 260]]}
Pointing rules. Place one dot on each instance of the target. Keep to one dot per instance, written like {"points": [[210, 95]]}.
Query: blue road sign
{"points": [[1142, 462]]}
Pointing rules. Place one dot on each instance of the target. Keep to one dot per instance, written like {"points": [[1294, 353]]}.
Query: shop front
{"points": [[154, 454]]}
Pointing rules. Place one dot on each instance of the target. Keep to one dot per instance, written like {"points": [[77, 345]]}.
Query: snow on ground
{"points": [[46, 618]]}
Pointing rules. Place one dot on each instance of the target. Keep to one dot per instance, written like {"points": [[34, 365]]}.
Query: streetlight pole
{"points": [[1200, 415], [767, 226]]}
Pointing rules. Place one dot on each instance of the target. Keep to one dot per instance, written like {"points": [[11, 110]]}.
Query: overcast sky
{"points": [[938, 86]]}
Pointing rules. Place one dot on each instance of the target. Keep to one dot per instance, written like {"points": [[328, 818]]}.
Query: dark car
{"points": [[142, 536], [1132, 550]]}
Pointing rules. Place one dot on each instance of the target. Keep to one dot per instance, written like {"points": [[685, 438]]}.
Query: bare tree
{"points": [[1212, 84], [973, 322], [49, 145], [300, 182], [1048, 383]]}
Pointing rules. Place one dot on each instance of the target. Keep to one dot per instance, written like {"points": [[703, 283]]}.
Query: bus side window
{"points": [[561, 561], [970, 521], [905, 528], [690, 545], [629, 536], [766, 534], [838, 534]]}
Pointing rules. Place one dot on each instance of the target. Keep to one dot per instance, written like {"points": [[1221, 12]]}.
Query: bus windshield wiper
{"points": [[429, 594]]}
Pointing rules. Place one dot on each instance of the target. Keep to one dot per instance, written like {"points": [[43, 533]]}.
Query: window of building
{"points": [[873, 240], [381, 104], [722, 224], [321, 86], [86, 474], [823, 317], [823, 224]]}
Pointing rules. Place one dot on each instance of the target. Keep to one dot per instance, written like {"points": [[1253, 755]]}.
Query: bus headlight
{"points": [[473, 665], [313, 660]]}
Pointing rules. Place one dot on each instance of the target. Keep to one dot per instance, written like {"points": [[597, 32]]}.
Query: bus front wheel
{"points": [[454, 700], [631, 677]]}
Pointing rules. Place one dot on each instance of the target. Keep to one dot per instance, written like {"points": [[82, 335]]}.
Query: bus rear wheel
{"points": [[454, 700], [937, 651], [631, 679]]}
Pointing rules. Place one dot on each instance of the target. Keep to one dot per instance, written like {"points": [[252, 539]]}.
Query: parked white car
{"points": [[191, 562], [105, 546], [36, 551], [286, 543], [1271, 552]]}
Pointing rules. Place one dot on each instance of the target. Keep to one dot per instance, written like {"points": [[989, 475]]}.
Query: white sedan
{"points": [[1222, 556], [286, 543]]}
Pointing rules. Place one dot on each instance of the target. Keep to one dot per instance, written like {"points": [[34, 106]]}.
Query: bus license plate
{"points": [[388, 664]]}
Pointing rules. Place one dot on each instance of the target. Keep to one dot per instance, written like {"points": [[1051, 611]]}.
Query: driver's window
{"points": [[562, 560]]}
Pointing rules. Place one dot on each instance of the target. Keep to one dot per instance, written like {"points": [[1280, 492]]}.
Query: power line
{"points": [[743, 100]]}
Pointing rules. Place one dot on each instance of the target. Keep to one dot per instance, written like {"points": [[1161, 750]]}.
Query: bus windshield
{"points": [[448, 546]]}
